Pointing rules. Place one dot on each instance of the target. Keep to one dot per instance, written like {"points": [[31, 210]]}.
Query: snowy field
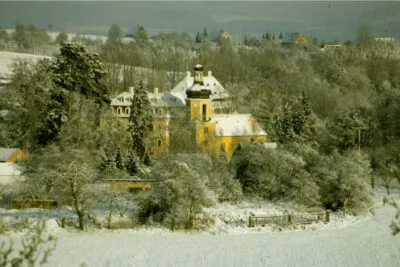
{"points": [[6, 58], [345, 241], [368, 242]]}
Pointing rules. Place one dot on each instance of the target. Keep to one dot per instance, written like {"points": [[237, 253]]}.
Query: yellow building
{"points": [[129, 184], [194, 117], [300, 40], [9, 155]]}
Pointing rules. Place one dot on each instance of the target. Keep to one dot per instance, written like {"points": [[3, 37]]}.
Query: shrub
{"points": [[178, 196]]}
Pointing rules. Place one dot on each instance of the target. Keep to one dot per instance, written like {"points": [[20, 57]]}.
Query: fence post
{"points": [[250, 222], [327, 214]]}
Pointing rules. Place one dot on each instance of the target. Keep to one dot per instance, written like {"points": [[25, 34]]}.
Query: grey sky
{"points": [[326, 20]]}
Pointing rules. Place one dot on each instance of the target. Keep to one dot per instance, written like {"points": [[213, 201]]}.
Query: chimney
{"points": [[131, 90], [209, 73], [155, 90], [188, 74]]}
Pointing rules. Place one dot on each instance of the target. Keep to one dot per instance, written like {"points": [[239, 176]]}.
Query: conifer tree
{"points": [[140, 121]]}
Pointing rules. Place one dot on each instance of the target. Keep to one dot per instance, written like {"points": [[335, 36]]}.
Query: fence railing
{"points": [[287, 219], [28, 203]]}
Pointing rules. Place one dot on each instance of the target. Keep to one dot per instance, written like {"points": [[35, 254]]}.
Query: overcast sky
{"points": [[326, 20]]}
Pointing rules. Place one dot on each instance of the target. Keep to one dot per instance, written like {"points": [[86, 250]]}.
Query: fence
{"points": [[28, 203], [287, 219]]}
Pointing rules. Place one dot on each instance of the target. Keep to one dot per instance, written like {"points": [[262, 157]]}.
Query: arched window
{"points": [[204, 112], [127, 110], [119, 110]]}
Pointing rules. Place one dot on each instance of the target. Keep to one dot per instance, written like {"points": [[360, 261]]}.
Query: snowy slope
{"points": [[6, 58], [367, 243], [345, 241]]}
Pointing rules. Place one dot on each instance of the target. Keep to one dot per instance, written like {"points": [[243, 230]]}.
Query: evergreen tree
{"points": [[114, 35], [76, 74], [205, 35], [62, 38], [140, 120], [119, 164], [133, 165], [198, 38]]}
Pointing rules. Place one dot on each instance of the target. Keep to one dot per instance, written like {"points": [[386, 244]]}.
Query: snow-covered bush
{"points": [[177, 197], [36, 249], [301, 174]]}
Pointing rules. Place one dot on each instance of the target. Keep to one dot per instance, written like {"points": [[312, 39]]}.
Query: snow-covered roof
{"points": [[6, 153], [177, 96], [156, 100], [172, 100], [123, 99], [210, 83], [237, 125]]}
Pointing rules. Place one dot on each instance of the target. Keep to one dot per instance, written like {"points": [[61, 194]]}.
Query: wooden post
{"points": [[251, 222], [327, 214]]}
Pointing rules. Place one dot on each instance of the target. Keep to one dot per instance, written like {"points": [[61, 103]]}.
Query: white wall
{"points": [[8, 173]]}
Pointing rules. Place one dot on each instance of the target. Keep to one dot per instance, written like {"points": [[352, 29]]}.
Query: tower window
{"points": [[159, 143], [206, 130], [204, 112]]}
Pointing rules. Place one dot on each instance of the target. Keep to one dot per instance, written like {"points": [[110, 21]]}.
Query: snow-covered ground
{"points": [[345, 241], [368, 242], [6, 58]]}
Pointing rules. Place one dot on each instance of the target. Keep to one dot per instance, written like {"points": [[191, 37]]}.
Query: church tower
{"points": [[198, 103]]}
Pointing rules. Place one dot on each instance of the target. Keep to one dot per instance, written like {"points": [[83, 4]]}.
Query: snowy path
{"points": [[368, 243]]}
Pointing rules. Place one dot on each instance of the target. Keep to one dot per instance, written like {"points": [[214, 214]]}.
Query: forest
{"points": [[333, 113]]}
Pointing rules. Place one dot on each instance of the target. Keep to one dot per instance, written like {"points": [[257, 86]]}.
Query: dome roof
{"points": [[198, 67]]}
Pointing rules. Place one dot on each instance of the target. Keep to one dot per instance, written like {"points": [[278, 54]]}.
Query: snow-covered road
{"points": [[367, 243]]}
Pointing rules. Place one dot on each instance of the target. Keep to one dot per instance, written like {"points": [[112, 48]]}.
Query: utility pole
{"points": [[358, 133]]}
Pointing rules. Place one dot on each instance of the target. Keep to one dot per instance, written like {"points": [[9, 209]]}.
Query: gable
{"points": [[12, 154]]}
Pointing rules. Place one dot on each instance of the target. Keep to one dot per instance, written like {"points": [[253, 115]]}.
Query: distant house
{"points": [[10, 155], [130, 184], [8, 168], [220, 36], [385, 39], [331, 47], [300, 40]]}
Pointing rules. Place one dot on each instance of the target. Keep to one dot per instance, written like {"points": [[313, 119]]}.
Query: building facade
{"points": [[194, 117]]}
